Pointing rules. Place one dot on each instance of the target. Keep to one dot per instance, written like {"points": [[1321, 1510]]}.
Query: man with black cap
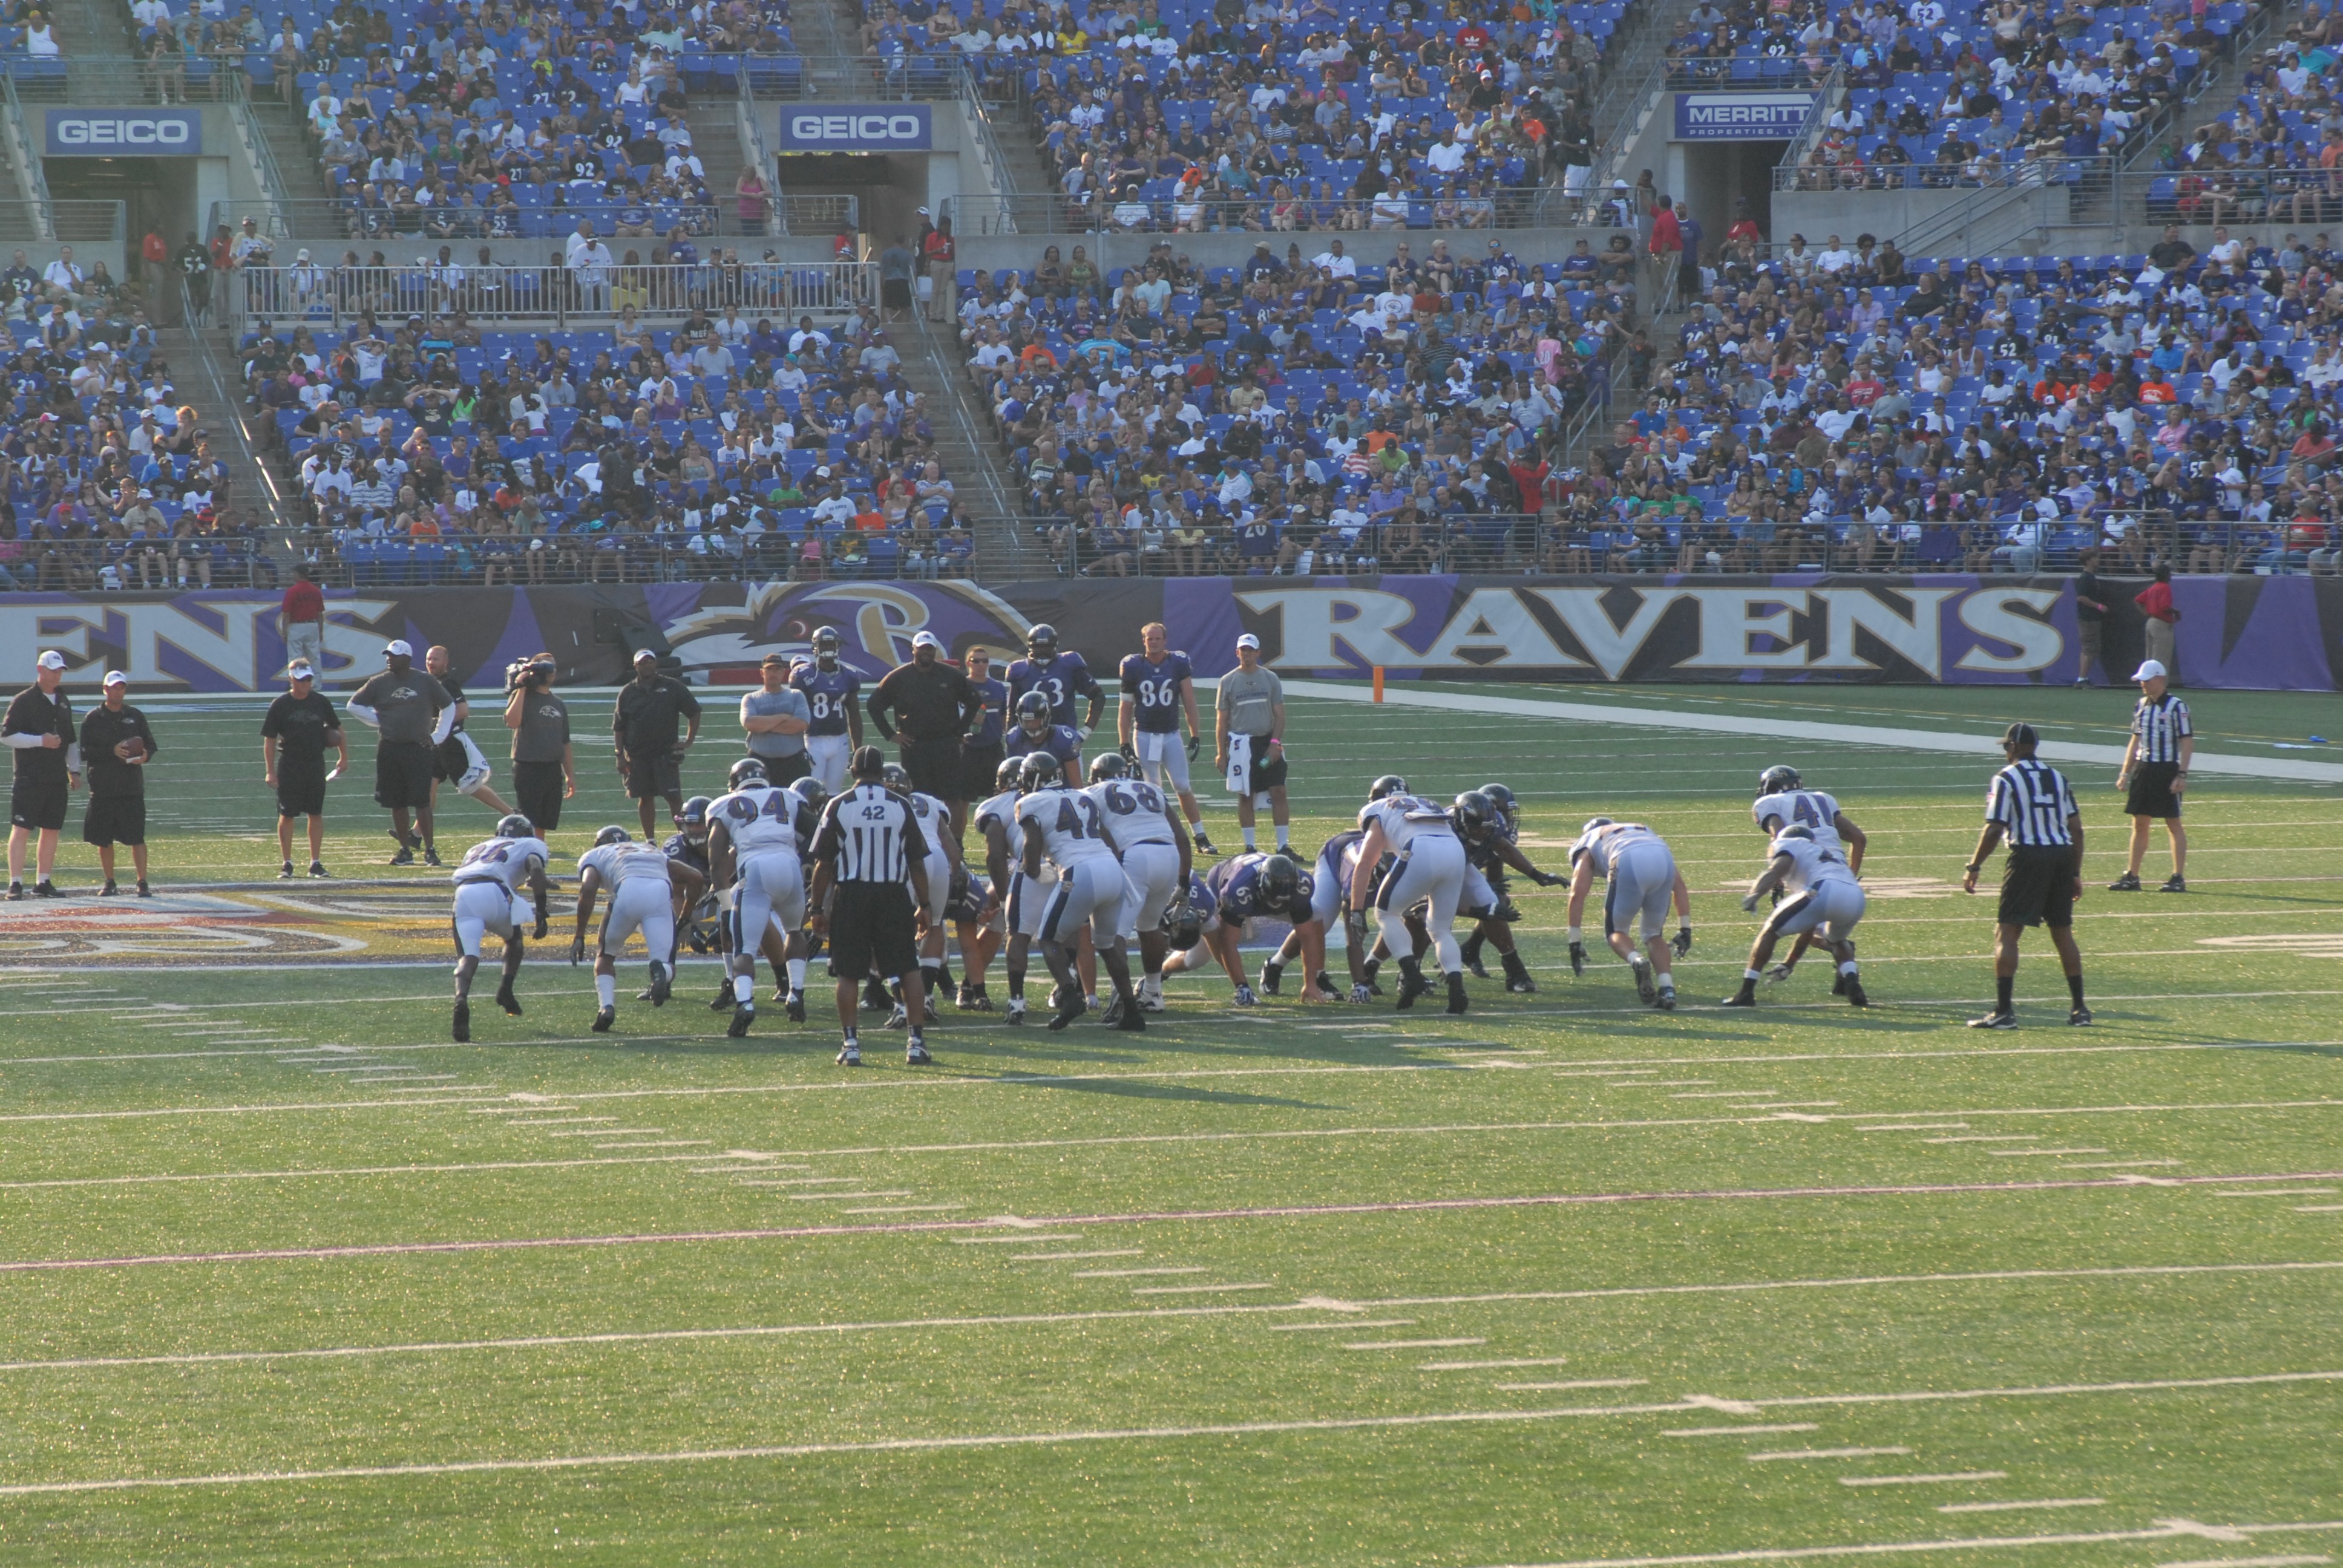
{"points": [[926, 706], [643, 733], [869, 846], [116, 743], [294, 736], [2031, 805], [415, 714], [39, 729]]}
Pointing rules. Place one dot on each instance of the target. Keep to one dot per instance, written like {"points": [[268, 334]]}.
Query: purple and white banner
{"points": [[2266, 633]]}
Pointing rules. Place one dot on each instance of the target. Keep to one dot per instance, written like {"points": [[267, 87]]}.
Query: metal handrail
{"points": [[2029, 173], [249, 130], [1508, 207], [286, 297], [988, 146], [752, 145], [342, 218], [231, 406], [950, 377], [29, 175]]}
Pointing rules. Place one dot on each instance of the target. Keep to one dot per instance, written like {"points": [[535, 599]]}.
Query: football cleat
{"points": [[1997, 1019], [849, 1054], [430, 856], [915, 1053], [723, 1000], [506, 1000], [1245, 997], [1666, 1001], [662, 984], [1525, 986], [1204, 845], [1739, 999], [605, 1019], [1647, 991], [743, 1016], [1272, 977], [285, 873], [1072, 1008], [1150, 994], [2127, 883], [1411, 985], [1131, 1022], [109, 890], [875, 997], [1113, 1013], [144, 890], [1470, 947], [1015, 1016], [461, 1025], [2078, 1018], [796, 1006], [1838, 984], [1326, 988], [899, 1019], [318, 869], [1855, 993], [1456, 998], [406, 857], [2175, 883]]}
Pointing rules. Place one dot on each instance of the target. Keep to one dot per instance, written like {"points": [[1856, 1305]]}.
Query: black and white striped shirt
{"points": [[2160, 723], [869, 835], [2031, 801]]}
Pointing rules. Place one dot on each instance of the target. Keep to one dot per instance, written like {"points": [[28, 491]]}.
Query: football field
{"points": [[291, 1278]]}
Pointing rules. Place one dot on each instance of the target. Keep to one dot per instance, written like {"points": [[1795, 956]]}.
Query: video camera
{"points": [[534, 670]]}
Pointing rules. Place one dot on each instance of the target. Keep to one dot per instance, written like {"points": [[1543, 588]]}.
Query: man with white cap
{"points": [[415, 714], [300, 725], [39, 729], [1248, 728], [2155, 774], [117, 744]]}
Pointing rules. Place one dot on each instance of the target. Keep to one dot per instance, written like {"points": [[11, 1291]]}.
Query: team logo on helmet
{"points": [[1389, 784], [744, 770], [613, 834], [515, 826], [1777, 780], [1041, 771], [1109, 765]]}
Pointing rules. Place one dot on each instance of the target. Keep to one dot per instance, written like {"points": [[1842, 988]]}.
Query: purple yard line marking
{"points": [[1297, 1211], [2172, 1530]]}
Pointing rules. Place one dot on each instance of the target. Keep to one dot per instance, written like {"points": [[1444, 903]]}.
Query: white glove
{"points": [[1750, 903], [1082, 733]]}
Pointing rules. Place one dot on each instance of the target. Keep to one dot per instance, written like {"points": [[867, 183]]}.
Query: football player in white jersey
{"points": [[1784, 801], [1067, 828], [754, 857], [930, 893], [489, 880], [1016, 905], [1157, 858], [647, 888], [1644, 878], [1430, 869], [1824, 901]]}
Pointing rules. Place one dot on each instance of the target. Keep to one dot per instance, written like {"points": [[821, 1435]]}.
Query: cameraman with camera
{"points": [[544, 772]]}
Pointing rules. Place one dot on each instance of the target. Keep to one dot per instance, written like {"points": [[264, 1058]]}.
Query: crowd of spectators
{"points": [[2277, 155], [1293, 415], [107, 481], [28, 31], [428, 450], [1279, 114]]}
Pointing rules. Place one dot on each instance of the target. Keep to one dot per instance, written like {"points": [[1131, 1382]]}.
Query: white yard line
{"points": [[2162, 1532], [1946, 1478], [2014, 1507], [1413, 1345], [1736, 1431], [1743, 726], [1576, 1382], [1477, 1366], [1069, 1257], [341, 1172], [1824, 1453]]}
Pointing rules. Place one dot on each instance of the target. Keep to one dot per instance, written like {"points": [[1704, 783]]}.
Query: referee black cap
{"points": [[870, 763], [2021, 735]]}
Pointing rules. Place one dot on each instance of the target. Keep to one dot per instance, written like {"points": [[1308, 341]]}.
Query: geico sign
{"points": [[857, 128], [122, 131]]}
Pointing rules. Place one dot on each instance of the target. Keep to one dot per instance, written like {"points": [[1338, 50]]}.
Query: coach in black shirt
{"points": [[39, 729], [642, 728], [116, 743], [925, 708], [299, 727]]}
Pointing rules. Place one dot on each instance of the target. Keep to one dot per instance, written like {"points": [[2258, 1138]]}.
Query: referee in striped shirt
{"points": [[868, 847], [2155, 775], [2031, 805]]}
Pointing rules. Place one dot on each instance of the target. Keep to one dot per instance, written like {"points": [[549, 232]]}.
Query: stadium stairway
{"points": [[296, 162], [102, 29], [2216, 96], [203, 369], [973, 460], [716, 138]]}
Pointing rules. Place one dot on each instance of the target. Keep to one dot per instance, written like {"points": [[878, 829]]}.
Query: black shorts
{"points": [[870, 925], [450, 761], [978, 767], [37, 803], [935, 769], [115, 819], [654, 777], [402, 774], [895, 293], [536, 794], [2037, 887], [781, 772], [300, 792], [2150, 794], [1268, 773]]}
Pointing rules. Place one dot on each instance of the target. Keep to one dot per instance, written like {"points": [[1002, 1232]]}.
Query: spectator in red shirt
{"points": [[301, 620], [1668, 235], [2155, 601]]}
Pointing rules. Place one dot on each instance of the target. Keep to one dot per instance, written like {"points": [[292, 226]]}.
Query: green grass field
{"points": [[291, 1279]]}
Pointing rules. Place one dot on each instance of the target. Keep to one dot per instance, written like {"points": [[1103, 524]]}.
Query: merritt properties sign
{"points": [[1742, 116]]}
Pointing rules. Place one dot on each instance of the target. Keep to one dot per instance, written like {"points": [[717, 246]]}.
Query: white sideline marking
{"points": [[1923, 1480], [1477, 1366], [1737, 1431], [340, 1170], [2281, 1562], [1729, 1094], [1913, 1127], [595, 1132], [660, 1143], [2165, 1531], [2008, 1507], [1315, 1328], [1742, 726], [563, 1121], [908, 1209], [1025, 1240], [1579, 1382], [2037, 1153], [2118, 1164], [1989, 1138], [2274, 1192], [1410, 1344], [1196, 1290], [2319, 1207], [1069, 1257], [801, 1182], [1133, 1273], [1824, 1453], [839, 1197]]}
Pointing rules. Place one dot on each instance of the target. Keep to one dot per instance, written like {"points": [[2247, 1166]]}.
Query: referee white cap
{"points": [[2151, 670], [52, 659]]}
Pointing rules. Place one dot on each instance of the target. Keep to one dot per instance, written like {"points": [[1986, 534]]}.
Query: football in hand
{"points": [[131, 751]]}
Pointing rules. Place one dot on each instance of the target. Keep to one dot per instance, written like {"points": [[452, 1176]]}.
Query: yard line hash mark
{"points": [[1946, 1477]]}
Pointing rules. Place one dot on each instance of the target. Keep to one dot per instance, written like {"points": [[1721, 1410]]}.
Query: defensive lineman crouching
{"points": [[1222, 903], [645, 891], [489, 880], [1642, 879], [1824, 901], [754, 856]]}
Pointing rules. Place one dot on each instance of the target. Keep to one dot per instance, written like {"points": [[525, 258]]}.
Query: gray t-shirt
{"points": [[544, 729], [406, 703], [1246, 696], [789, 703], [896, 264]]}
